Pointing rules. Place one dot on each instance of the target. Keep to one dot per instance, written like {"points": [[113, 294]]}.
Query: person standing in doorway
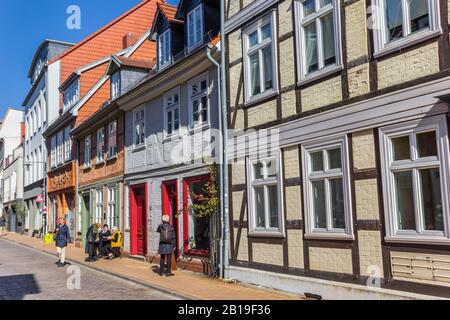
{"points": [[62, 239], [167, 243]]}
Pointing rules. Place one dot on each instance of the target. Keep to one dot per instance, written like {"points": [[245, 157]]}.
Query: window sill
{"points": [[87, 168], [267, 234], [260, 97], [172, 137], [407, 42], [330, 236], [111, 159], [418, 240], [199, 128], [320, 74], [100, 163], [138, 148]]}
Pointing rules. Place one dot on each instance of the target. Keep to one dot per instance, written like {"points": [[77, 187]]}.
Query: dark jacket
{"points": [[167, 248], [104, 238], [3, 222], [90, 236], [62, 236]]}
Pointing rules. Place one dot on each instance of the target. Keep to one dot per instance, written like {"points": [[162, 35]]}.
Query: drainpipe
{"points": [[76, 197], [221, 156]]}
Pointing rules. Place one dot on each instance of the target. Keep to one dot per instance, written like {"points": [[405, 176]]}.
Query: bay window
{"points": [[164, 49], [115, 85], [403, 22], [318, 37], [60, 145], [260, 58], [67, 145], [52, 153], [172, 112], [327, 189], [265, 197], [100, 145], [415, 178], [195, 26]]}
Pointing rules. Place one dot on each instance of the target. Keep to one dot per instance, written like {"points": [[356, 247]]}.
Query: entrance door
{"points": [[170, 207], [138, 221], [86, 215]]}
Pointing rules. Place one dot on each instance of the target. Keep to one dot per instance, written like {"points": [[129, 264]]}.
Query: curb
{"points": [[113, 274]]}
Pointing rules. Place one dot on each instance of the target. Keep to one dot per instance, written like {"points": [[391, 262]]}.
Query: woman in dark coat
{"points": [[91, 236], [167, 244], [62, 239]]}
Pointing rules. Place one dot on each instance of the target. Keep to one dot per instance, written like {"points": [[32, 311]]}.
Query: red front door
{"points": [[170, 206], [138, 221]]}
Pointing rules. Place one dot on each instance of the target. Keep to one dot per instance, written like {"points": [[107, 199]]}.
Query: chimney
{"points": [[129, 39]]}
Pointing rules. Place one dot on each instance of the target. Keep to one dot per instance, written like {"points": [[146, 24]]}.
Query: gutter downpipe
{"points": [[221, 155], [226, 252]]}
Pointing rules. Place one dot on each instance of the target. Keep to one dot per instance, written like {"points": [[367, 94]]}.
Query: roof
{"points": [[169, 12], [38, 51], [136, 63]]}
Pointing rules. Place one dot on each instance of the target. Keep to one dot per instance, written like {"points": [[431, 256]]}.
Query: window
{"points": [[197, 237], [115, 85], [67, 145], [260, 58], [59, 149], [265, 197], [87, 151], [27, 128], [164, 49], [71, 95], [112, 214], [112, 139], [172, 109], [327, 189], [199, 101], [318, 37], [195, 27], [99, 207], [33, 123], [415, 180], [139, 127], [40, 164], [53, 152], [403, 22], [27, 172], [38, 114], [100, 145], [44, 108]]}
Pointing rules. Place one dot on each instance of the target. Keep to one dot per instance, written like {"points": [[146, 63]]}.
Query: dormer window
{"points": [[115, 85], [164, 48], [71, 95], [195, 26]]}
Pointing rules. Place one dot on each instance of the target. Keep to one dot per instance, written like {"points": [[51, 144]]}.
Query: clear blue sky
{"points": [[24, 24]]}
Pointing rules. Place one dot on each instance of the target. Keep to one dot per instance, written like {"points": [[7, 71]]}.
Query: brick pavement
{"points": [[185, 284]]}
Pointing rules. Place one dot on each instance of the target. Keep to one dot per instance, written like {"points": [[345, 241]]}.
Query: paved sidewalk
{"points": [[185, 284]]}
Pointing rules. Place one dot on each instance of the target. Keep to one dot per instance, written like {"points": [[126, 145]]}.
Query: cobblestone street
{"points": [[26, 274]]}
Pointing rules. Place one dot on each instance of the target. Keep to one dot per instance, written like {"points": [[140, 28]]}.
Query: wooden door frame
{"points": [[176, 222], [133, 218]]}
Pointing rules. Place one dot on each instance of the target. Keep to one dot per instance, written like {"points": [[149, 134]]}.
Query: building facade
{"points": [[41, 108], [339, 175], [170, 122], [84, 88], [17, 219]]}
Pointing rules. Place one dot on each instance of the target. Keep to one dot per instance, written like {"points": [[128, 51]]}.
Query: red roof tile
{"points": [[136, 63]]}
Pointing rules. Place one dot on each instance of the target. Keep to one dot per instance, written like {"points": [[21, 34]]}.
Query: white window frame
{"points": [[137, 122], [278, 181], [381, 44], [99, 206], [249, 98], [310, 176], [172, 108], [52, 152], [71, 94], [87, 151], [100, 150], [300, 21], [111, 215], [200, 125], [388, 165], [112, 139], [191, 14], [59, 147], [165, 36], [115, 85], [67, 144]]}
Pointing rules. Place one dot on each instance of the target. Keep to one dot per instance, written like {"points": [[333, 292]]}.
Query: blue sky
{"points": [[24, 24]]}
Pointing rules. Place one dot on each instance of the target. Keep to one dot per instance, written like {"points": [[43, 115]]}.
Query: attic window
{"points": [[164, 49], [195, 26], [71, 94], [115, 85]]}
